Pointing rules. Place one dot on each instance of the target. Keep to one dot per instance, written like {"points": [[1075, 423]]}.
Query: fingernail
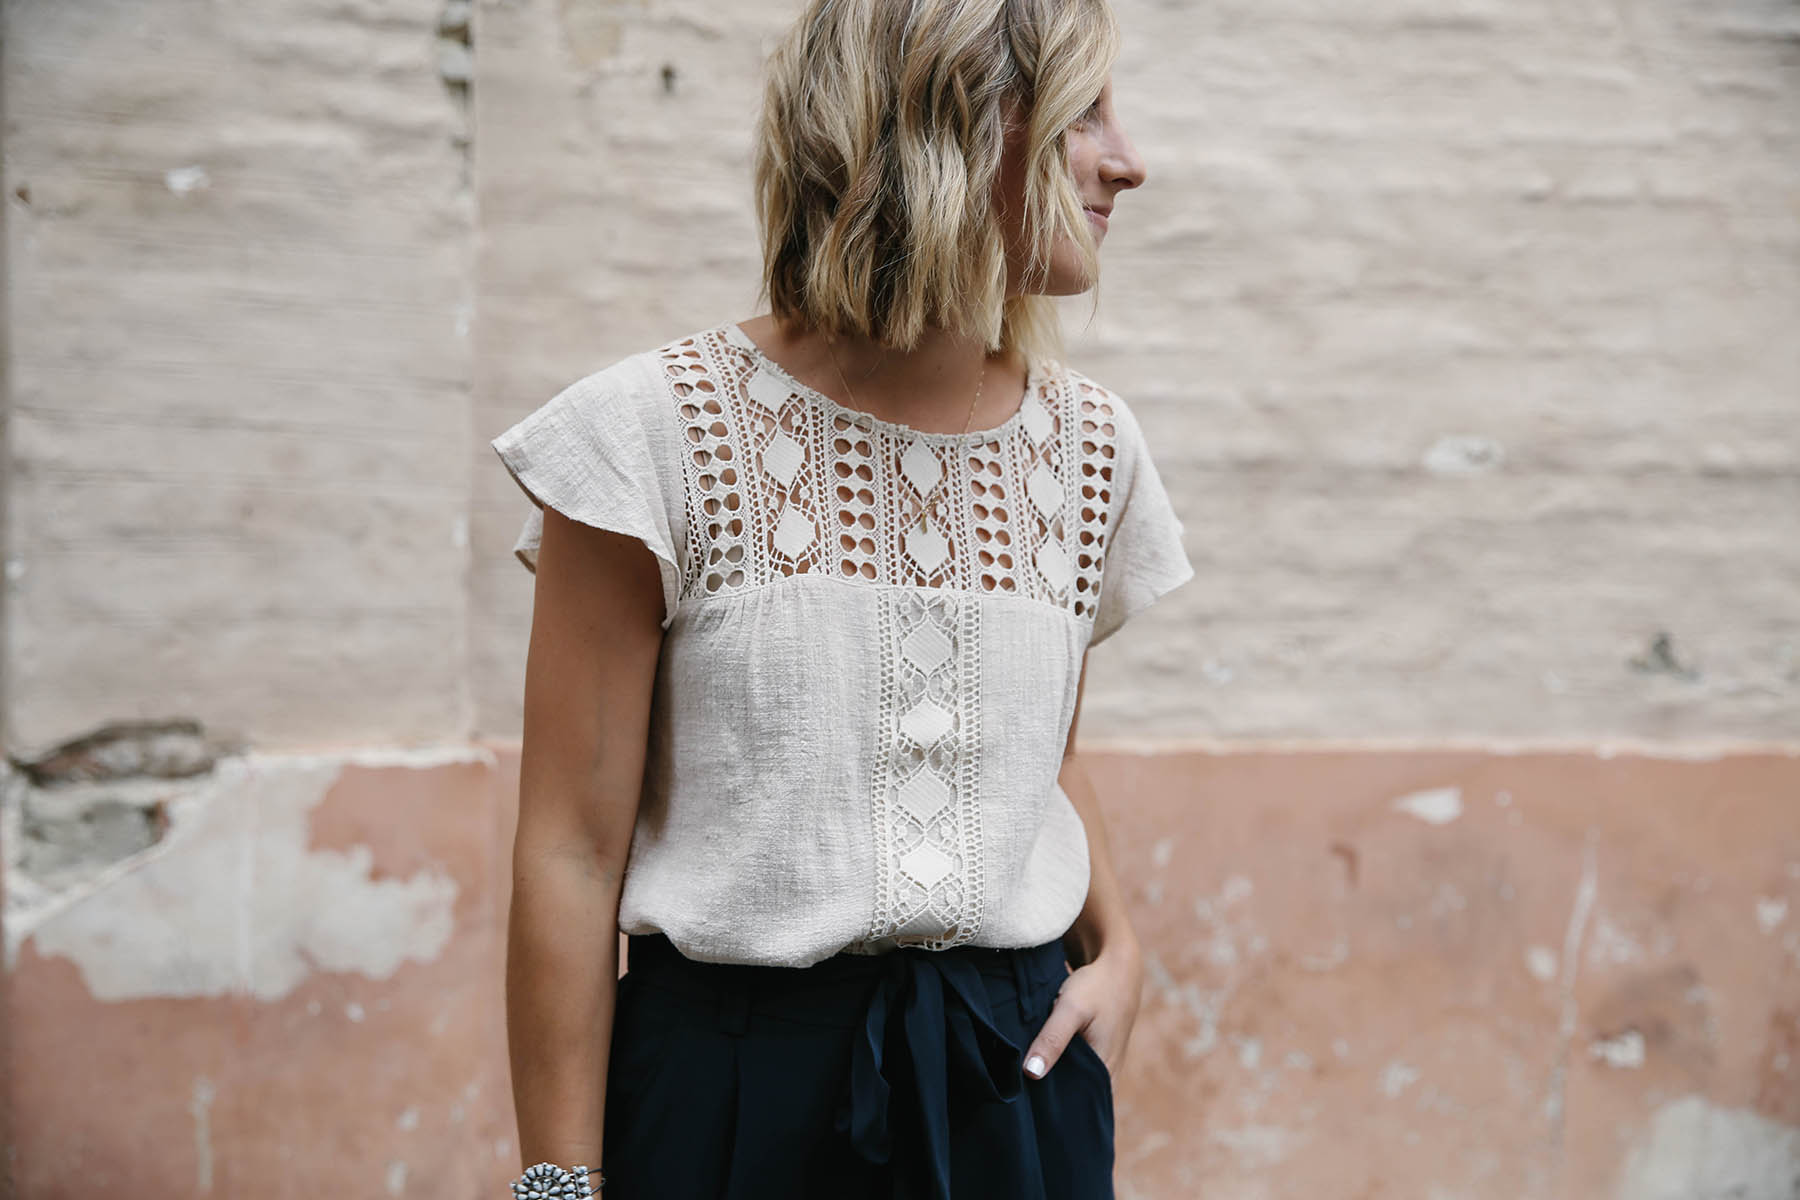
{"points": [[1035, 1066]]}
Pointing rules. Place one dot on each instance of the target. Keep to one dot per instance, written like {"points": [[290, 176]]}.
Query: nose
{"points": [[1121, 165]]}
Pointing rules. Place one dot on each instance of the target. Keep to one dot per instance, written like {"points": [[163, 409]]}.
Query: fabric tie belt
{"points": [[921, 1026], [935, 1005]]}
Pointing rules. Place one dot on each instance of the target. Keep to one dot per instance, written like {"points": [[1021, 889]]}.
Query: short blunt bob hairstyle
{"points": [[880, 148]]}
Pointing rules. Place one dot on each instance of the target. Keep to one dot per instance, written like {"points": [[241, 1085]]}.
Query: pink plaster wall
{"points": [[1351, 993]]}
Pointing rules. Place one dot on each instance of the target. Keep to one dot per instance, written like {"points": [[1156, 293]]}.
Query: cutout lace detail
{"points": [[784, 481], [926, 791]]}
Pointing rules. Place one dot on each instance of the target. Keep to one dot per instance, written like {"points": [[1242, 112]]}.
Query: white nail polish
{"points": [[1035, 1066]]}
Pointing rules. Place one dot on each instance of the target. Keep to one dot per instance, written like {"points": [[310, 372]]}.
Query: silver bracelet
{"points": [[547, 1181]]}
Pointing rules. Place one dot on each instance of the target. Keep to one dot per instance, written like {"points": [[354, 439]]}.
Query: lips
{"points": [[1098, 217]]}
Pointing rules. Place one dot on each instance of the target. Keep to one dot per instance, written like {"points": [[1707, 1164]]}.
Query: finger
{"points": [[1063, 1023]]}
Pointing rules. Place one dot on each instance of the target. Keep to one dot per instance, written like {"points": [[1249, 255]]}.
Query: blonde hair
{"points": [[880, 144]]}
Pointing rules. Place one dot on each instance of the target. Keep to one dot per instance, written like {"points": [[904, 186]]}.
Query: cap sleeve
{"points": [[602, 452], [1144, 558]]}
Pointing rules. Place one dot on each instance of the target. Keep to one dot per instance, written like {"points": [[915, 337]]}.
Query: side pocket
{"points": [[1080, 1046]]}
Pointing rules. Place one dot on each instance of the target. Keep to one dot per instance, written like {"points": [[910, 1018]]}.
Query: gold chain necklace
{"points": [[854, 403], [924, 517]]}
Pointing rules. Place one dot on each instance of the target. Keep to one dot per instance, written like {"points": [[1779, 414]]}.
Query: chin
{"points": [[1071, 283], [1067, 276]]}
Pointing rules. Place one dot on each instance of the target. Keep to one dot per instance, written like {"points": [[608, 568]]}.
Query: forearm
{"points": [[562, 967], [1103, 925]]}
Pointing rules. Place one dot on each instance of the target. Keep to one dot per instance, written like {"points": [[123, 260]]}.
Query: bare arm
{"points": [[1102, 924], [595, 637], [1100, 999]]}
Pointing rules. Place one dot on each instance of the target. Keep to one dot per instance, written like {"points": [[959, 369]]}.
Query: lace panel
{"points": [[783, 481], [1098, 441], [926, 791]]}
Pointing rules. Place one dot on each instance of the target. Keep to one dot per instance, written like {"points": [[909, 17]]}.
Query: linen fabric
{"points": [[873, 639]]}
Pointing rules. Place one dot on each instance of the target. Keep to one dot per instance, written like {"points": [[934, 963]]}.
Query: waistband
{"points": [[924, 1021], [827, 991]]}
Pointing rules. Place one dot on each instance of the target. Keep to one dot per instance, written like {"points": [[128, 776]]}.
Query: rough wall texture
{"points": [[239, 248], [1371, 976], [1464, 332]]}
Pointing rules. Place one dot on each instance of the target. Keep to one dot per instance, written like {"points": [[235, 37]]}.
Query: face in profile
{"points": [[1102, 163]]}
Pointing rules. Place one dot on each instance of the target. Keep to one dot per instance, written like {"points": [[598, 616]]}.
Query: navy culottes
{"points": [[894, 1076]]}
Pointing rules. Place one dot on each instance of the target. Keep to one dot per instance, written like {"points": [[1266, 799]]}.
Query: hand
{"points": [[1099, 1001]]}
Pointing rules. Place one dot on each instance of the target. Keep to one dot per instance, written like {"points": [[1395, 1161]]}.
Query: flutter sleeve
{"points": [[603, 452], [1144, 557]]}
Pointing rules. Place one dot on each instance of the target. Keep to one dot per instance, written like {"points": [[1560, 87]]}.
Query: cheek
{"points": [[1084, 157]]}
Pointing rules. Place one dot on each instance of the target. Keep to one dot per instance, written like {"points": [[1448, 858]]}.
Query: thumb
{"points": [[1063, 1023]]}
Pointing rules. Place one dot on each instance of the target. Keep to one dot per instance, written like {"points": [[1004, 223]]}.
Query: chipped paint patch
{"points": [[200, 1108], [1771, 911], [1258, 1147], [1587, 891], [1396, 1077], [1463, 454], [1204, 1006], [182, 180], [1337, 956], [1624, 1052], [1438, 806], [233, 900], [1541, 962], [1611, 945], [1694, 1148]]}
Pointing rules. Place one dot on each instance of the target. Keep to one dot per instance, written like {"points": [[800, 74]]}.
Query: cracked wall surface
{"points": [[239, 260], [1462, 332], [1451, 796]]}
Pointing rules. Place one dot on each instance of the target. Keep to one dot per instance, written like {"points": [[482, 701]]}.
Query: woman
{"points": [[813, 597]]}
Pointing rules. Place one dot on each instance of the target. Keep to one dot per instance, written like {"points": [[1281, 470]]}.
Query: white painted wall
{"points": [[239, 244], [1463, 331]]}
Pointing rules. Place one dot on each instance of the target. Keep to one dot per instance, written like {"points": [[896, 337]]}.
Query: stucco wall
{"points": [[239, 248], [1463, 333]]}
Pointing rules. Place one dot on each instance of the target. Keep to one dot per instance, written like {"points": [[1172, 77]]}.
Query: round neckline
{"points": [[735, 334]]}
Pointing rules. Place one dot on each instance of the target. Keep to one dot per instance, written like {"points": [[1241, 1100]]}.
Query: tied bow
{"points": [[946, 1025]]}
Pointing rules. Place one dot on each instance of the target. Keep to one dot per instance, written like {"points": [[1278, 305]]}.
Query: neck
{"points": [[930, 386]]}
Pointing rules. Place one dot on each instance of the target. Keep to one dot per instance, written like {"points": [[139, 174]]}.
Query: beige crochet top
{"points": [[873, 636]]}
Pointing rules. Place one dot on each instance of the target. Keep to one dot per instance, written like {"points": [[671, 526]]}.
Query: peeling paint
{"points": [[1541, 962], [1586, 892], [182, 180], [233, 900], [1625, 1051], [1694, 1149], [1202, 1005], [1396, 1077], [1438, 806], [1611, 945], [1771, 911], [200, 1108], [1463, 454], [1258, 1147], [1337, 956]]}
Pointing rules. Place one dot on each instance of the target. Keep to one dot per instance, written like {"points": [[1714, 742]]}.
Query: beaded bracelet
{"points": [[547, 1181]]}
